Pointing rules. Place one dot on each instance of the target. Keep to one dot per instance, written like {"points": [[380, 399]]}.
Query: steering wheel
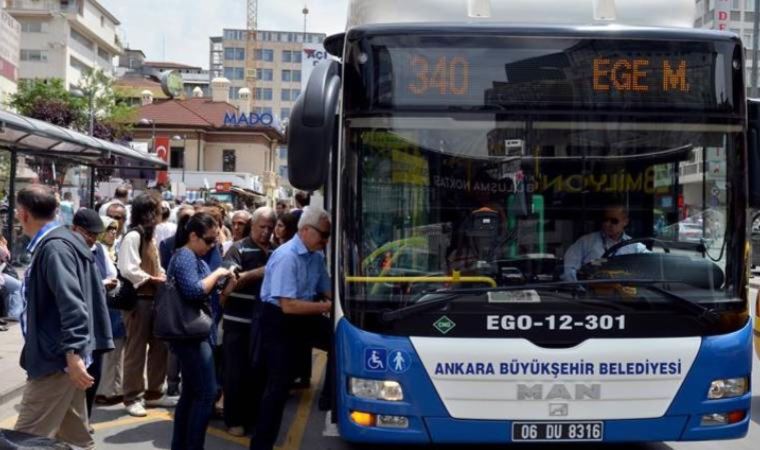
{"points": [[610, 252]]}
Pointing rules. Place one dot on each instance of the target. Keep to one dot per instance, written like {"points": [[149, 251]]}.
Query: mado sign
{"points": [[248, 120]]}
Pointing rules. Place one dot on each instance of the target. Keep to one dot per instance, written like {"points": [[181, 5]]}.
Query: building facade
{"points": [[64, 38], [203, 147], [10, 53], [278, 59]]}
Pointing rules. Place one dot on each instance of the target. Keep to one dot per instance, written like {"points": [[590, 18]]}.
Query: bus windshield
{"points": [[492, 174]]}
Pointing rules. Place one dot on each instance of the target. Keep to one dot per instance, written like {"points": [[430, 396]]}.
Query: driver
{"points": [[593, 245]]}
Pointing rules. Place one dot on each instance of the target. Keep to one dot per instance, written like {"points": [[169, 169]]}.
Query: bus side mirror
{"points": [[311, 131], [753, 152]]}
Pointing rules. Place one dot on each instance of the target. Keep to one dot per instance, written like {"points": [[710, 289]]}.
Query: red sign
{"points": [[162, 151], [8, 70], [223, 186]]}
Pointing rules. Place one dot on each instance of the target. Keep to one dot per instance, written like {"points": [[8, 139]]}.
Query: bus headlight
{"points": [[376, 389], [727, 388]]}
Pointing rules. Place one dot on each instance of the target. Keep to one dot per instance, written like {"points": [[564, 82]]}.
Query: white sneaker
{"points": [[136, 409], [165, 402]]}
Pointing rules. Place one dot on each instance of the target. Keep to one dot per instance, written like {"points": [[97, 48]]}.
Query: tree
{"points": [[48, 100], [113, 115]]}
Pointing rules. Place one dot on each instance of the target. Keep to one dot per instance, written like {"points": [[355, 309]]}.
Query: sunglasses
{"points": [[112, 230], [210, 240], [612, 220], [325, 234], [117, 218]]}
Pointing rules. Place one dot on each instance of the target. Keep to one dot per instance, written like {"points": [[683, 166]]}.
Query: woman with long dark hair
{"points": [[138, 262], [195, 282], [285, 228]]}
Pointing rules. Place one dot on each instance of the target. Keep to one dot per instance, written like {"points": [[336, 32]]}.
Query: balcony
{"points": [[41, 6]]}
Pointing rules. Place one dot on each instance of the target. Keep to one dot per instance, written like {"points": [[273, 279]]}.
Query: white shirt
{"points": [[129, 260]]}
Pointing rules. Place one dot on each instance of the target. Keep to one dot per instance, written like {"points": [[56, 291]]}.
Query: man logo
{"points": [[560, 391], [558, 409]]}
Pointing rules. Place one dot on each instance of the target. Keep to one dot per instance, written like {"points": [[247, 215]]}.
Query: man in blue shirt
{"points": [[593, 245], [295, 280]]}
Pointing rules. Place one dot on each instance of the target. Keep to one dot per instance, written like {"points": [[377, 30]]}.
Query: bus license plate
{"points": [[557, 431]]}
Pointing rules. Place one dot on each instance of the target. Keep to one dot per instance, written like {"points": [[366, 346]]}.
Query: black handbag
{"points": [[179, 319], [123, 296]]}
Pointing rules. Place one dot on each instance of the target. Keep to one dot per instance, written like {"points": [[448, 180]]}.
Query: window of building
{"points": [[234, 35], [749, 5], [79, 37], [263, 110], [291, 75], [291, 56], [290, 95], [736, 16], [283, 172], [264, 54], [283, 150], [228, 160], [234, 73], [234, 93], [747, 39], [102, 21], [177, 158], [78, 65], [31, 27], [34, 55], [104, 55], [263, 94], [234, 53], [284, 113], [264, 74]]}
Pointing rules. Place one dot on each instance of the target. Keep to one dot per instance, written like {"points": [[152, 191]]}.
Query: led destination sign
{"points": [[519, 72]]}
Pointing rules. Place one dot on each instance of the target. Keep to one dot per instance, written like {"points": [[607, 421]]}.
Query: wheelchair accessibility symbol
{"points": [[399, 361], [374, 359]]}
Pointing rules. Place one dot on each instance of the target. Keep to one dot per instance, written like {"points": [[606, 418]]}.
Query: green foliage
{"points": [[48, 100]]}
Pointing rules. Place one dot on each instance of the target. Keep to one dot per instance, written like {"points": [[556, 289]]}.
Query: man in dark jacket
{"points": [[65, 320]]}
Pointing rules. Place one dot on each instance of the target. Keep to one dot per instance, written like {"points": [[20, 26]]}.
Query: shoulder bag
{"points": [[178, 319]]}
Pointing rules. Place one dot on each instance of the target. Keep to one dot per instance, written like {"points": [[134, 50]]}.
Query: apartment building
{"points": [[279, 59], [10, 51], [64, 38]]}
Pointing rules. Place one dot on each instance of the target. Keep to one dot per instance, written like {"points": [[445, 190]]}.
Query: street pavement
{"points": [[304, 426]]}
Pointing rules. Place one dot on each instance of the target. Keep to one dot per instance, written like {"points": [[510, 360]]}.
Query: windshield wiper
{"points": [[449, 295], [703, 314]]}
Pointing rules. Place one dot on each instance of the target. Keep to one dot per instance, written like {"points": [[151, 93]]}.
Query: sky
{"points": [[179, 30]]}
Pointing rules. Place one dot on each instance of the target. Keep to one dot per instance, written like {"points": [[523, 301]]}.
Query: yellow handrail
{"points": [[440, 279]]}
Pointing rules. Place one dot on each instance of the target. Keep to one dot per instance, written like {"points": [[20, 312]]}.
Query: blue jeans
{"points": [[195, 404], [15, 302]]}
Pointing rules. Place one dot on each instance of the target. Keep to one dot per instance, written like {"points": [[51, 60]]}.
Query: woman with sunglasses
{"points": [[195, 283], [593, 245]]}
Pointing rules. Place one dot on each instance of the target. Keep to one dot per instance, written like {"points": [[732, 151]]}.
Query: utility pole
{"points": [[305, 12], [755, 26]]}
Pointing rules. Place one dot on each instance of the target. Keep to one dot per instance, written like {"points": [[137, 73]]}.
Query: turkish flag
{"points": [[162, 151]]}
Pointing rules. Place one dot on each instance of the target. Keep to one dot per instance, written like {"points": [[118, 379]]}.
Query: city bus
{"points": [[463, 148]]}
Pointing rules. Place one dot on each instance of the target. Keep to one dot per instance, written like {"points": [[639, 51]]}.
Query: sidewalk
{"points": [[12, 376]]}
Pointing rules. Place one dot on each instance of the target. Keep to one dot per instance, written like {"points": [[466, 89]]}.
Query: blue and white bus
{"points": [[463, 147]]}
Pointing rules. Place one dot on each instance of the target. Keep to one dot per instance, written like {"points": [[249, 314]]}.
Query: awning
{"points": [[35, 137]]}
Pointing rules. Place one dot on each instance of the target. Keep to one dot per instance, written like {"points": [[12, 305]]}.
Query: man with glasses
{"points": [[250, 255], [291, 312], [593, 245]]}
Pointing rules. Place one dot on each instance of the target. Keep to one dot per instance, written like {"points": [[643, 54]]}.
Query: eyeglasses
{"points": [[117, 218], [210, 240], [325, 234], [112, 230], [612, 220]]}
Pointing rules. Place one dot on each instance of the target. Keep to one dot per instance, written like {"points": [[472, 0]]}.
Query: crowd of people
{"points": [[257, 277]]}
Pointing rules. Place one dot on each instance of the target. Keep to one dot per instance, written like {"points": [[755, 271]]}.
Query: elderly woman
{"points": [[109, 392]]}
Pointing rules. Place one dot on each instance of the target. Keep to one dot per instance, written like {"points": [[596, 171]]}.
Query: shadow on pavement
{"points": [[155, 433], [756, 409]]}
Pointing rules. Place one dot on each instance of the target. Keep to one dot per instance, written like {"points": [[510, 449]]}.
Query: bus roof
{"points": [[649, 13]]}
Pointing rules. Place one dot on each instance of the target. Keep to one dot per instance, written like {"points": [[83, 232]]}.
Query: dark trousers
{"points": [[238, 375], [275, 339], [196, 401], [94, 370], [173, 378]]}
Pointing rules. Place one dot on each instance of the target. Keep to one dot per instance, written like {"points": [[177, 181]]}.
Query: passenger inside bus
{"points": [[593, 245]]}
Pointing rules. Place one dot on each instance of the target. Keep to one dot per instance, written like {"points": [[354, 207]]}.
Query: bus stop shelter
{"points": [[21, 136]]}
